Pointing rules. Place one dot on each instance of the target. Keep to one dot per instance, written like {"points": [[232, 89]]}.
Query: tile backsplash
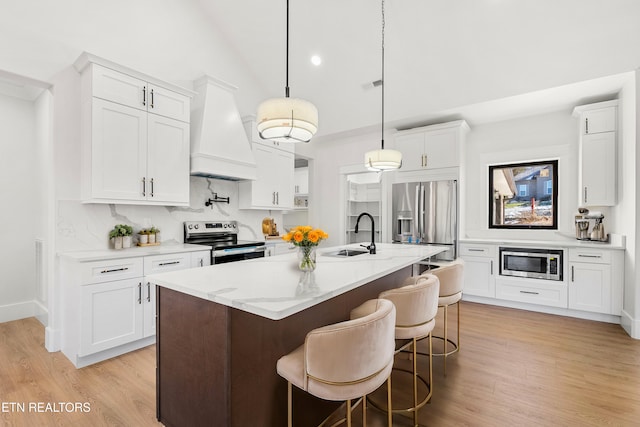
{"points": [[86, 226]]}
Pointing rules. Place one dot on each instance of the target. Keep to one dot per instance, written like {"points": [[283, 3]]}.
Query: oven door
{"points": [[222, 256], [524, 264]]}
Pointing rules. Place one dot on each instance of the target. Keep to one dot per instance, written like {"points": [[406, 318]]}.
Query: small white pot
{"points": [[157, 237], [117, 242], [152, 238], [126, 241], [144, 239]]}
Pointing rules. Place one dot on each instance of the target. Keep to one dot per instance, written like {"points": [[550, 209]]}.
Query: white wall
{"points": [[543, 137], [20, 210]]}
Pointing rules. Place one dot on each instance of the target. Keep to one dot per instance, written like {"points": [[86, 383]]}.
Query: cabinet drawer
{"points": [[170, 262], [554, 294], [597, 256], [117, 87], [110, 270], [468, 249]]}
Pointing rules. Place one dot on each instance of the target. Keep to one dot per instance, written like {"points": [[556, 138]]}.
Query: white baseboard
{"points": [[630, 325], [52, 341], [18, 311]]}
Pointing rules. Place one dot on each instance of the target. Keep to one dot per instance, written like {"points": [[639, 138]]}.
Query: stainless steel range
{"points": [[222, 236]]}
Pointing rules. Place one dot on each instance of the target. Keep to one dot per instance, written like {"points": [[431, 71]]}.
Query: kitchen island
{"points": [[222, 328]]}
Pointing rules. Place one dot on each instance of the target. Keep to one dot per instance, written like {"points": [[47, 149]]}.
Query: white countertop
{"points": [[615, 242], [271, 287], [136, 251]]}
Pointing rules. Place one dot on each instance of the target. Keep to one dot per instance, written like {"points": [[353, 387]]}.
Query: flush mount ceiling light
{"points": [[287, 119], [382, 160]]}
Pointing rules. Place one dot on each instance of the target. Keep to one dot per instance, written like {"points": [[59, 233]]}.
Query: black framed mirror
{"points": [[524, 195]]}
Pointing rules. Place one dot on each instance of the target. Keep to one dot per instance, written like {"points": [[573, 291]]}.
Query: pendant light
{"points": [[287, 119], [382, 160]]}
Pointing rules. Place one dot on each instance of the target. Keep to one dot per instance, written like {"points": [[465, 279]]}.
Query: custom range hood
{"points": [[219, 145]]}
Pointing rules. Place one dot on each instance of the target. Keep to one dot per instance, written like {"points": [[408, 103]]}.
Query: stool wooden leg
{"points": [[415, 382], [364, 410], [289, 405]]}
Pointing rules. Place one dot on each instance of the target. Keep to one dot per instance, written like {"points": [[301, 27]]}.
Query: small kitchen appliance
{"points": [[533, 263], [222, 236]]}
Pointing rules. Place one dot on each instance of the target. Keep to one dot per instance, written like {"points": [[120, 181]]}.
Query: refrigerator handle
{"points": [[415, 211], [422, 194]]}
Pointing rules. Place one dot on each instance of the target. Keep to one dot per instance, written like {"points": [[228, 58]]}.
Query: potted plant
{"points": [[152, 234], [121, 235], [143, 237]]}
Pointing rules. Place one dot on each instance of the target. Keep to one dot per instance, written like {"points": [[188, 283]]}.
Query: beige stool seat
{"points": [[346, 360], [416, 303]]}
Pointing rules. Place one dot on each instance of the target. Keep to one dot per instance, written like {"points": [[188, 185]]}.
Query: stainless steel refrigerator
{"points": [[427, 213]]}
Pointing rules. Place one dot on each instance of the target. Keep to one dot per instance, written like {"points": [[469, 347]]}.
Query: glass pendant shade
{"points": [[382, 160], [287, 120]]}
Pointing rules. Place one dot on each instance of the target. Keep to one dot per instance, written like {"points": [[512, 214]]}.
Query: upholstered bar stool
{"points": [[416, 308], [346, 360], [451, 283]]}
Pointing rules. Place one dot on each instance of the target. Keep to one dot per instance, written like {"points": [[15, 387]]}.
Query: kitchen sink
{"points": [[348, 252]]}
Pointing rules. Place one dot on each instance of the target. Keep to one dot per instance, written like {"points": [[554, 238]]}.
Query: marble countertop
{"points": [[564, 241], [136, 251], [274, 288]]}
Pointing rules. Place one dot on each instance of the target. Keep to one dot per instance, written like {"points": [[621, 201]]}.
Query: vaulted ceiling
{"points": [[440, 55]]}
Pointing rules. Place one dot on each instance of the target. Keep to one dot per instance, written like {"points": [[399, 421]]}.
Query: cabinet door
{"points": [[599, 120], [283, 163], [263, 188], [598, 169], [168, 103], [301, 180], [590, 288], [412, 149], [479, 277], [118, 87], [441, 149], [118, 151], [200, 259], [168, 160], [111, 315]]}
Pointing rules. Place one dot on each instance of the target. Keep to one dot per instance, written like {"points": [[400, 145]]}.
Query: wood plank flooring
{"points": [[515, 368]]}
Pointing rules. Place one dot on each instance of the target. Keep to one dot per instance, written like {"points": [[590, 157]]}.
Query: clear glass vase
{"points": [[307, 258]]}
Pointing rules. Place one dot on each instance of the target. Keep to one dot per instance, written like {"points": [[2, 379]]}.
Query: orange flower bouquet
{"points": [[306, 238]]}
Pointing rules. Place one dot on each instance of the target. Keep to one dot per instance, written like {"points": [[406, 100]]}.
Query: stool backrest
{"points": [[352, 351], [417, 302], [451, 277]]}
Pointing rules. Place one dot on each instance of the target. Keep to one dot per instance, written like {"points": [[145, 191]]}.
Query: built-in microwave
{"points": [[532, 263]]}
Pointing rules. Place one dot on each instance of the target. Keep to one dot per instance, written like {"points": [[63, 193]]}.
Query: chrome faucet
{"points": [[372, 246]]}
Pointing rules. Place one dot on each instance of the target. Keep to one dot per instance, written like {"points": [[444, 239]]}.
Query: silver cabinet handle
{"points": [[168, 263], [144, 186], [589, 256], [476, 250], [140, 293], [492, 267], [273, 198], [201, 262], [572, 274], [113, 270], [586, 125], [530, 292], [426, 161], [585, 194], [277, 197], [148, 292], [151, 187], [144, 95], [152, 106]]}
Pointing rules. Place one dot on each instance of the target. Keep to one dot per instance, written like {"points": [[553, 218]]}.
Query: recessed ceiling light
{"points": [[316, 60]]}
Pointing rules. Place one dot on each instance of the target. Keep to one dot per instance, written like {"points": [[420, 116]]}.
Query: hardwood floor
{"points": [[515, 368]]}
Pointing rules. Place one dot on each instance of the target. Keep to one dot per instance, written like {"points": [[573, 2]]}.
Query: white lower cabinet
{"points": [[111, 315], [532, 291], [110, 307], [480, 266], [595, 280]]}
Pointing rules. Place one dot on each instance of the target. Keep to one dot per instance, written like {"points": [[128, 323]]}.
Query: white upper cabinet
{"points": [[126, 90], [274, 186], [431, 147], [135, 136], [301, 180], [598, 152]]}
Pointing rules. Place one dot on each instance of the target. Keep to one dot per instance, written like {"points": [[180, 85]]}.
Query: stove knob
{"points": [[226, 225], [235, 225], [190, 226], [196, 226]]}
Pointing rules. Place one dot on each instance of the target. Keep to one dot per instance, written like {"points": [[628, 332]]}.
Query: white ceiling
{"points": [[482, 60], [443, 58]]}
